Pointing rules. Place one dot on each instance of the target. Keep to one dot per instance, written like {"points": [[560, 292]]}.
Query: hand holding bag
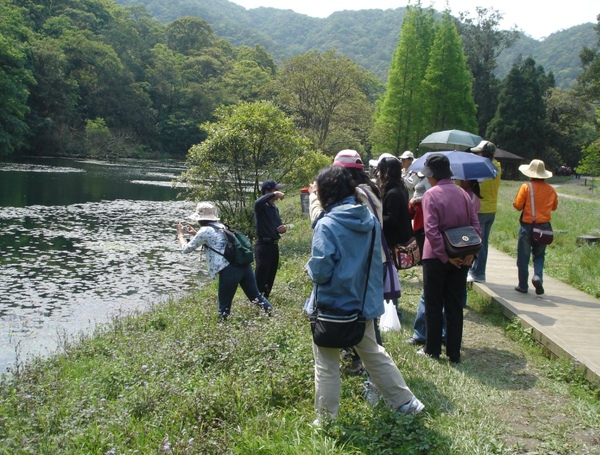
{"points": [[540, 235], [461, 241], [340, 330]]}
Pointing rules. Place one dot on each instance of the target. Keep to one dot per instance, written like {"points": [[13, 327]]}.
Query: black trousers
{"points": [[445, 287], [266, 256]]}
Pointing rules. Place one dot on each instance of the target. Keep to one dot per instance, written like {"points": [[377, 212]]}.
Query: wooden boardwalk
{"points": [[566, 321]]}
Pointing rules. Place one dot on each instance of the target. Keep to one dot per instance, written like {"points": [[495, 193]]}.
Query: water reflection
{"points": [[72, 263]]}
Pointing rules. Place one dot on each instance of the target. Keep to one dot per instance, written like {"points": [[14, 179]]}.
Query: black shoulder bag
{"points": [[337, 330]]}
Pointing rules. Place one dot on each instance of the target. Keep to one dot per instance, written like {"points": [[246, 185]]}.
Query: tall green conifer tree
{"points": [[398, 121], [448, 86], [520, 124]]}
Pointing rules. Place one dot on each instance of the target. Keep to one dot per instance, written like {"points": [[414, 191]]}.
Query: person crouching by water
{"points": [[212, 236], [337, 267]]}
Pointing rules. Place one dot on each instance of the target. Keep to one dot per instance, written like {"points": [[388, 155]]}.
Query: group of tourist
{"points": [[349, 209]]}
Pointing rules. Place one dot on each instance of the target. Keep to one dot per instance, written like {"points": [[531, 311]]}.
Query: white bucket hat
{"points": [[408, 155], [535, 170], [205, 211]]}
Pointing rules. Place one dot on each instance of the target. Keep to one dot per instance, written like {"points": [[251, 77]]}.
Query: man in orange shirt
{"points": [[545, 201]]}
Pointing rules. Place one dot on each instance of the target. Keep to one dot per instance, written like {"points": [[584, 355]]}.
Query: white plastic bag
{"points": [[389, 320]]}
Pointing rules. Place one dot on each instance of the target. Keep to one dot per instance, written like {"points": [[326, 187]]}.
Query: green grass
{"points": [[174, 381]]}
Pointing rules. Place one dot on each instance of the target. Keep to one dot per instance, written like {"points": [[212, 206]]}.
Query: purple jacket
{"points": [[445, 205]]}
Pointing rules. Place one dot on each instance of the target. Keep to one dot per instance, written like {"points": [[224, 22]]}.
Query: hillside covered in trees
{"points": [[95, 78], [368, 37]]}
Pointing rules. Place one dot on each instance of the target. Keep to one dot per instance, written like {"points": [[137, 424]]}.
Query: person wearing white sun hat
{"points": [[409, 177], [212, 236], [545, 201]]}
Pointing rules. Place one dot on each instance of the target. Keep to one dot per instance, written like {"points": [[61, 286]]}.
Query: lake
{"points": [[84, 241]]}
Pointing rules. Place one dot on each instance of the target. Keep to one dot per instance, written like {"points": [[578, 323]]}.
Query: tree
{"points": [[590, 164], [483, 42], [15, 79], [188, 35], [571, 125], [325, 92], [247, 143], [588, 82], [520, 124], [447, 88], [399, 118]]}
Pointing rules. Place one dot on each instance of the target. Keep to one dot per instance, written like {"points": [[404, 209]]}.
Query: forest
{"points": [[95, 78]]}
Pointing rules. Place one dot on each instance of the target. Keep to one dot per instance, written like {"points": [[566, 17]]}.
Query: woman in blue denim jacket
{"points": [[338, 267]]}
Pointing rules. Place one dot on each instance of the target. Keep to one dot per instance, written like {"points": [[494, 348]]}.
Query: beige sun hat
{"points": [[535, 170], [206, 211]]}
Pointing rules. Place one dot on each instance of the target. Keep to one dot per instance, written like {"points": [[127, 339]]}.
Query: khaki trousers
{"points": [[382, 370]]}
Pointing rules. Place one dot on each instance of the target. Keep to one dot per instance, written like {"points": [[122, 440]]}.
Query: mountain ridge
{"points": [[368, 36]]}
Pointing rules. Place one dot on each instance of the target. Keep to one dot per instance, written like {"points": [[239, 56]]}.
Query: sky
{"points": [[537, 18]]}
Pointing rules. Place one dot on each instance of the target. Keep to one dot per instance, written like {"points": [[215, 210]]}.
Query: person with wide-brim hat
{"points": [[545, 201], [212, 236]]}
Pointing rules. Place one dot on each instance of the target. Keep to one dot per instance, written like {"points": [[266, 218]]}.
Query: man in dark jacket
{"points": [[268, 232]]}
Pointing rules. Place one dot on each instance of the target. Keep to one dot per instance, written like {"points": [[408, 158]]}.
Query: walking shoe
{"points": [[537, 284], [264, 305], [522, 291], [472, 278], [356, 367], [432, 356], [415, 341], [413, 407], [370, 393]]}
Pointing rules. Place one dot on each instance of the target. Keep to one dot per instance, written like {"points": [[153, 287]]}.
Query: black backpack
{"points": [[238, 249]]}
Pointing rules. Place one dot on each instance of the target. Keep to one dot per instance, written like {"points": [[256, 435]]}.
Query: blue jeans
{"points": [[526, 249], [420, 327], [478, 268], [229, 279]]}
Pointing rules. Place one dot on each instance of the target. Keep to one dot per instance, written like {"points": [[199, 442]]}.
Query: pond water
{"points": [[81, 242]]}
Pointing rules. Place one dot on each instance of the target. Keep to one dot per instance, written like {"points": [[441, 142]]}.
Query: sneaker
{"points": [[422, 352], [537, 284], [264, 305], [415, 341], [413, 407], [522, 291], [474, 279], [370, 393], [355, 368]]}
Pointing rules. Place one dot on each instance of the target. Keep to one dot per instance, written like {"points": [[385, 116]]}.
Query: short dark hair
{"points": [[335, 183]]}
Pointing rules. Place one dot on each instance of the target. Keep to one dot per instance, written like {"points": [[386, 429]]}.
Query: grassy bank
{"points": [[172, 380]]}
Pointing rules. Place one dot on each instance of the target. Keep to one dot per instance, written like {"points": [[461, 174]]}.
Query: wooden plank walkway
{"points": [[566, 321]]}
